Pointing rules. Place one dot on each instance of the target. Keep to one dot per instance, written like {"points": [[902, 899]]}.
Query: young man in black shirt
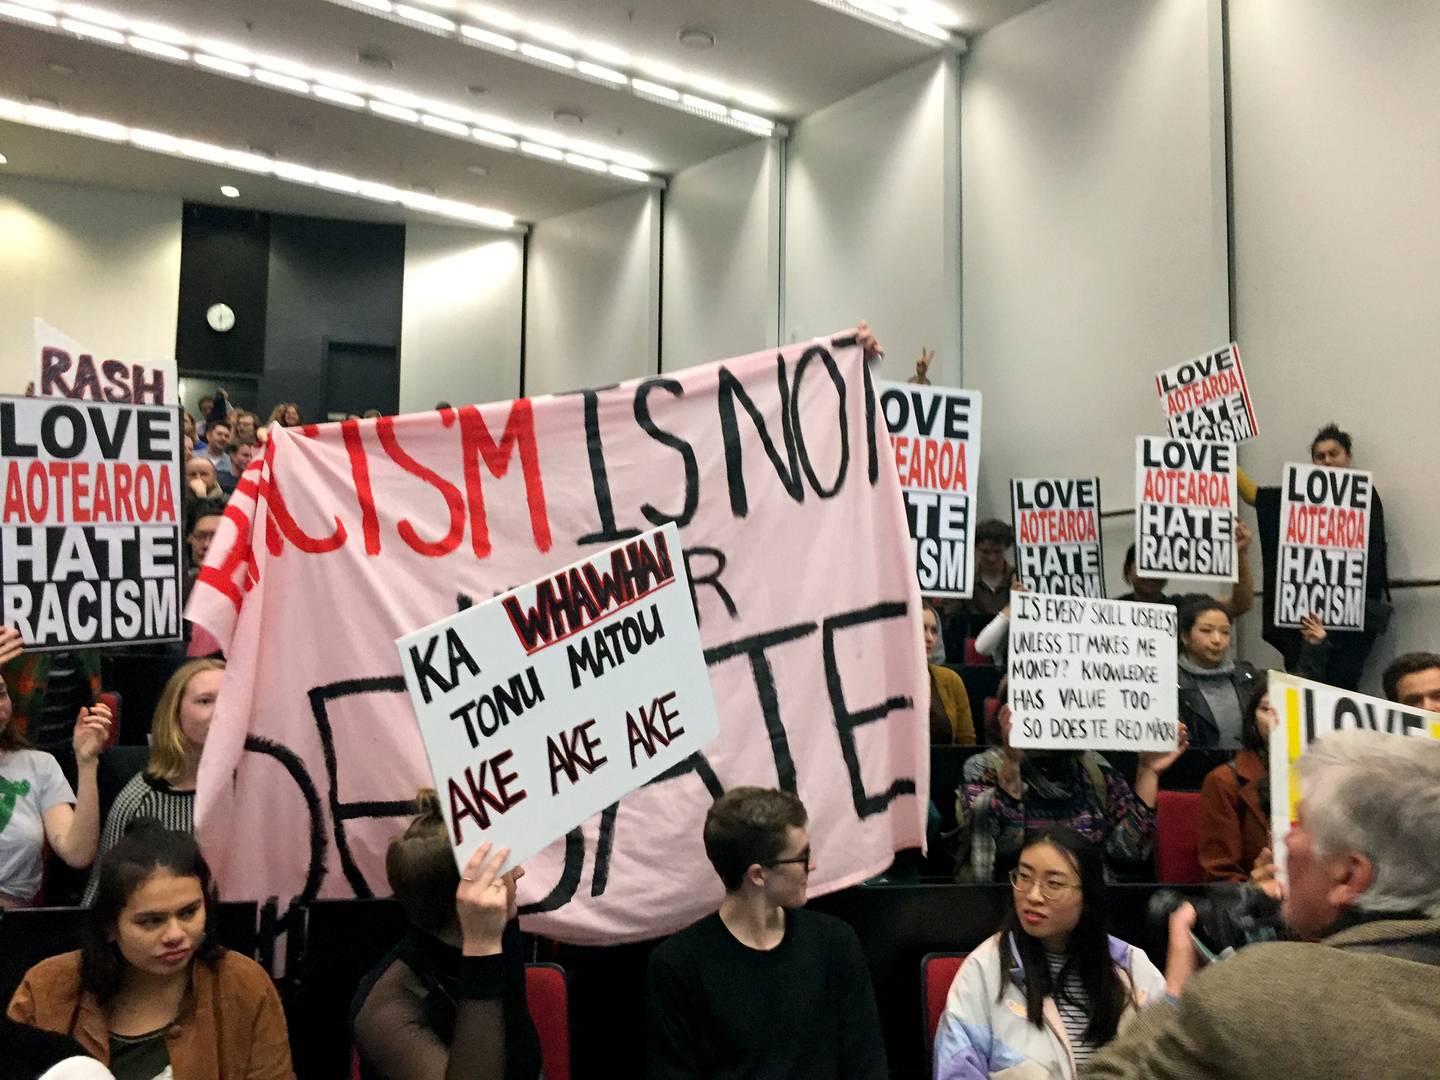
{"points": [[762, 988]]}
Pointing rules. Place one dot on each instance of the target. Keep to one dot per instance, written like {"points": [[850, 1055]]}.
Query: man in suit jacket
{"points": [[1356, 996]]}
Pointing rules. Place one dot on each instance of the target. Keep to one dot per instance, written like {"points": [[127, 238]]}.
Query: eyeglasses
{"points": [[803, 859], [1022, 881]]}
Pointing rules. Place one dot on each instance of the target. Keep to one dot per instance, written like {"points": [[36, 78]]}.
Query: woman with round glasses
{"points": [[1051, 988]]}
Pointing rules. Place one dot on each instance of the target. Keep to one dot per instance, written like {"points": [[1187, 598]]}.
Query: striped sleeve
{"points": [[137, 799]]}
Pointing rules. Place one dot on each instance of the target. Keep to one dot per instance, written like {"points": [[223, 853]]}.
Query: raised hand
{"points": [[11, 645], [485, 901], [92, 732]]}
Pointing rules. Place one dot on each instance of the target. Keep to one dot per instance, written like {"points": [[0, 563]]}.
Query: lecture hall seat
{"points": [[937, 972], [1177, 832]]}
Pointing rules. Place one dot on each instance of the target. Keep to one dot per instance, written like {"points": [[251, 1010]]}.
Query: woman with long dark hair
{"points": [[1233, 834], [152, 992], [1052, 987]]}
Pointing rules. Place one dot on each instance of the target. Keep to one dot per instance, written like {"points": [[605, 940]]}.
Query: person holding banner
{"points": [[951, 721], [1006, 792], [1150, 590], [1214, 687], [1356, 995], [1413, 679], [449, 1000], [762, 988], [37, 803], [1051, 988]]}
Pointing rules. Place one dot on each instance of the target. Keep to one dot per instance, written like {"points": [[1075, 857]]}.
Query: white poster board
{"points": [[1092, 674], [1185, 509], [1306, 711], [1324, 547], [1207, 397], [935, 439], [1057, 535], [546, 704], [90, 527], [65, 368]]}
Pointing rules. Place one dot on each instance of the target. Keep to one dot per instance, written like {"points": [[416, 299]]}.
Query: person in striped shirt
{"points": [[165, 788]]}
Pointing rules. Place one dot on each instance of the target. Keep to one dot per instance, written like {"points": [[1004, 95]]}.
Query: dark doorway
{"points": [[360, 377]]}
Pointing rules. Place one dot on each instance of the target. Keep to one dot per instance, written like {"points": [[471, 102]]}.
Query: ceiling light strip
{"points": [[533, 43], [195, 150], [925, 21], [290, 77]]}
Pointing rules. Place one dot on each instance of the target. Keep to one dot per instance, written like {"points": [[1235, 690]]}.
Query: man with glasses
{"points": [[762, 987]]}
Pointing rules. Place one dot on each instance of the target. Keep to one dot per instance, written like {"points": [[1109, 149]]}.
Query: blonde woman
{"points": [[165, 788]]}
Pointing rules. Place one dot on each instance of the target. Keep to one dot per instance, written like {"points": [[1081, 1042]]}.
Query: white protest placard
{"points": [[1185, 509], [547, 704], [1207, 398], [65, 368], [1306, 711], [935, 437], [1092, 674], [1324, 546], [90, 527], [1057, 536]]}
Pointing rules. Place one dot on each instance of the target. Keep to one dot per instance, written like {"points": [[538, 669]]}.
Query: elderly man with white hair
{"points": [[1360, 994]]}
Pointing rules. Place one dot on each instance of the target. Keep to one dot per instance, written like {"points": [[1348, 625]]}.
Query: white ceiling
{"points": [[802, 55]]}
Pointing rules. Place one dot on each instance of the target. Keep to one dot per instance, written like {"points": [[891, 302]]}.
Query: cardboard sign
{"points": [[90, 528], [1306, 711], [935, 437], [1185, 509], [65, 368], [1091, 674], [1324, 546], [593, 682], [344, 537], [1207, 398], [1057, 536]]}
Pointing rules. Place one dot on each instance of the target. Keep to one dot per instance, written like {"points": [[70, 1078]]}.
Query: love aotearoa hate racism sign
{"points": [[90, 527], [1324, 546], [65, 368], [1185, 509], [1092, 674], [345, 537], [1306, 711], [935, 437], [543, 706], [1206, 397], [1057, 536]]}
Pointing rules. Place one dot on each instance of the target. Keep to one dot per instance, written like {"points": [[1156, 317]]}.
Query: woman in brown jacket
{"points": [[152, 992], [1234, 828]]}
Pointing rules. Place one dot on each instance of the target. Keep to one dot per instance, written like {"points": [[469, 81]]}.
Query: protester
{"points": [[152, 991], [1151, 590], [241, 454], [37, 803], [1364, 882], [763, 987], [950, 717], [922, 368], [1213, 688], [165, 789], [202, 519], [202, 479], [217, 445], [245, 430], [993, 572], [994, 640], [449, 1001], [1413, 679], [1006, 791], [206, 404], [187, 424], [1047, 991], [1233, 840]]}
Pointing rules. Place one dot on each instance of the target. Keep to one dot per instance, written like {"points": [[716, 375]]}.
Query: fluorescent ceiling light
{"points": [[609, 53], [160, 32], [90, 30], [542, 151], [102, 129], [24, 14], [547, 56], [286, 67], [929, 29], [243, 159], [645, 86], [439, 123], [217, 63], [378, 5], [425, 18], [228, 49], [502, 141], [284, 82], [230, 191], [595, 71], [704, 105], [340, 82], [158, 48], [155, 140], [339, 97], [499, 41], [628, 173], [553, 34], [593, 164], [41, 5], [395, 112], [203, 151], [95, 15]]}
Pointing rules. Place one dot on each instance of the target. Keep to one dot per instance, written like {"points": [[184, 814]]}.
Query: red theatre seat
{"points": [[937, 972], [975, 656], [547, 991], [1177, 830]]}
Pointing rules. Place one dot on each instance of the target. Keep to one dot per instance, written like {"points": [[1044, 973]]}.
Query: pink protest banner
{"points": [[347, 536]]}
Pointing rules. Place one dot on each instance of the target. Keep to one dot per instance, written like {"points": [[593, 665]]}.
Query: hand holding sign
{"points": [[11, 644]]}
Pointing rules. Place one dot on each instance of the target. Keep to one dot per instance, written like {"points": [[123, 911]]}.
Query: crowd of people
{"points": [[765, 987]]}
